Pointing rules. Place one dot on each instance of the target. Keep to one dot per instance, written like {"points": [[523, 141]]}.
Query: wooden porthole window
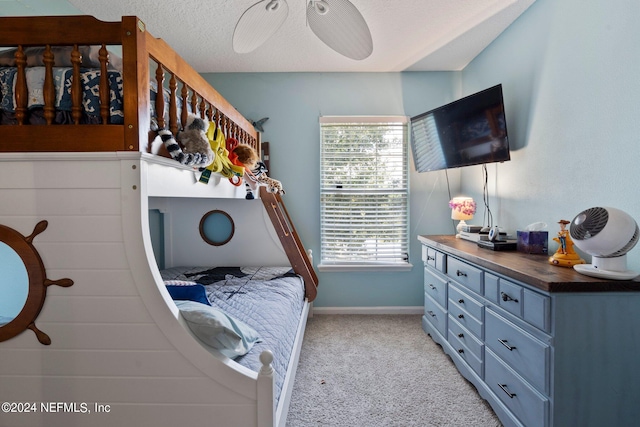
{"points": [[23, 283], [217, 227]]}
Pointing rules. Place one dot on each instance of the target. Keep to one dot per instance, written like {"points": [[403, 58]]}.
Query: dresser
{"points": [[544, 345]]}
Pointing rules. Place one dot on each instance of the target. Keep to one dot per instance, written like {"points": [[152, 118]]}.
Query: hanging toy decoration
{"points": [[221, 164]]}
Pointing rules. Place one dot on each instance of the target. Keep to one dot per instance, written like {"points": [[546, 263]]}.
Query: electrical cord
{"points": [[488, 216], [453, 223]]}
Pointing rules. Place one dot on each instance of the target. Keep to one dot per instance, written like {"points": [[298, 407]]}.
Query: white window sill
{"points": [[363, 267]]}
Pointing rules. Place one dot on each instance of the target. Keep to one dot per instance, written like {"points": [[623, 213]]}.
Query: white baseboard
{"points": [[369, 310]]}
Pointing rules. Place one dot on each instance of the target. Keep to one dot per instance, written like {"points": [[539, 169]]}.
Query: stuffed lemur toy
{"points": [[197, 151]]}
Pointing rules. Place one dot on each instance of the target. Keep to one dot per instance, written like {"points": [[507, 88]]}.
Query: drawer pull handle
{"points": [[460, 335], [431, 313], [506, 297], [461, 351], [504, 343], [461, 273], [461, 301], [460, 316], [430, 258], [433, 288], [504, 388]]}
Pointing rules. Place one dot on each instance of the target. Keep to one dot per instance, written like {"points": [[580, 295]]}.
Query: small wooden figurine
{"points": [[565, 256]]}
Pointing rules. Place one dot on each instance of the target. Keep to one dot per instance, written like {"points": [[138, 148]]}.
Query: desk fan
{"points": [[607, 234]]}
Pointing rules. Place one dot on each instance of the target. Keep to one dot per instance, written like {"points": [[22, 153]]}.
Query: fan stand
{"points": [[607, 268]]}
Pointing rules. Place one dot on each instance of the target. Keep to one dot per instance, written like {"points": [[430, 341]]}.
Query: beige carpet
{"points": [[380, 370]]}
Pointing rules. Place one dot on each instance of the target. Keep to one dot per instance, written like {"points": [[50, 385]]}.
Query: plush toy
{"points": [[258, 177], [245, 155], [241, 156], [197, 151], [222, 163]]}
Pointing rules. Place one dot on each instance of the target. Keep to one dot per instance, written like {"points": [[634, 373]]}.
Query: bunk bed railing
{"points": [[53, 32], [139, 49], [206, 100]]}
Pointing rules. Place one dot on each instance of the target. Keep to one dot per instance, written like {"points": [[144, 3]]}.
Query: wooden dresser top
{"points": [[532, 269]]}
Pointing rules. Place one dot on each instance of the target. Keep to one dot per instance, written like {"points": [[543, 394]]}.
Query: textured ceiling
{"points": [[408, 35]]}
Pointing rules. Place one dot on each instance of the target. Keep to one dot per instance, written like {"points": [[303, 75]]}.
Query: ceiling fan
{"points": [[338, 23]]}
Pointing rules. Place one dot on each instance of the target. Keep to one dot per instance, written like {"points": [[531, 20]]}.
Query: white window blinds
{"points": [[364, 190]]}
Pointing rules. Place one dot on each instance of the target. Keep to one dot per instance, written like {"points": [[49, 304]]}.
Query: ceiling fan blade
{"points": [[341, 27], [258, 23]]}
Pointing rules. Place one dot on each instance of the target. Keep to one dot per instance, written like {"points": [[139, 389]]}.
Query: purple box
{"points": [[533, 242]]}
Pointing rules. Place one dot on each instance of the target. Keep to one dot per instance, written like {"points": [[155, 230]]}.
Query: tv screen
{"points": [[469, 131]]}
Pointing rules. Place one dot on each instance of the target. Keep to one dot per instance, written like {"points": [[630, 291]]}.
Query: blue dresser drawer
{"points": [[510, 297], [434, 259], [520, 350], [529, 406], [465, 337], [466, 302], [435, 286], [465, 318], [465, 352], [491, 287], [428, 256], [536, 310], [531, 306], [465, 274], [441, 262], [435, 315]]}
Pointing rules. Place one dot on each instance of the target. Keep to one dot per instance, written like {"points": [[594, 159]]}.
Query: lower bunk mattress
{"points": [[270, 300]]}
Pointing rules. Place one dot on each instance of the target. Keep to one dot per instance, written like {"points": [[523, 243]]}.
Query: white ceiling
{"points": [[408, 35]]}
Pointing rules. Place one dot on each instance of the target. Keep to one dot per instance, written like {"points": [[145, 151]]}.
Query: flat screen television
{"points": [[469, 131]]}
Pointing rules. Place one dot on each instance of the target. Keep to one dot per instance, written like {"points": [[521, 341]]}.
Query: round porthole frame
{"points": [[37, 279], [208, 239]]}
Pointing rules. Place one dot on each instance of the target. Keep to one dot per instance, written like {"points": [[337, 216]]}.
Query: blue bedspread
{"points": [[269, 299]]}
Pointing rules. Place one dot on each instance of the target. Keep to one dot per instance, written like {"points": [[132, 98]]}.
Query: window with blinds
{"points": [[364, 193]]}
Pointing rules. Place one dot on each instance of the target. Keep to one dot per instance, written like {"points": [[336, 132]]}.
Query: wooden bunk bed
{"points": [[87, 180]]}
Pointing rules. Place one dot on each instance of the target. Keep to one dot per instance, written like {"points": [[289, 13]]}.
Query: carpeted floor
{"points": [[380, 370]]}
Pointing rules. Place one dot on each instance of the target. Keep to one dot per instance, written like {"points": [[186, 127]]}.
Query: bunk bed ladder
{"points": [[290, 241]]}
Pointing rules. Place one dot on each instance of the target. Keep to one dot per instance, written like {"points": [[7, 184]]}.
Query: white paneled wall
{"points": [[254, 241], [115, 336]]}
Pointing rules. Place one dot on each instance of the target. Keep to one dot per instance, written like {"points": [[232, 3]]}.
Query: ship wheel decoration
{"points": [[23, 283]]}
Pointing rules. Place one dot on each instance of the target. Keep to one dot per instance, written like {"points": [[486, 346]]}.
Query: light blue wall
{"points": [[571, 77], [293, 102], [570, 71]]}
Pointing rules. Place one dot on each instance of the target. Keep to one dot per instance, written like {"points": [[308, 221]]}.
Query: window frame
{"points": [[358, 264]]}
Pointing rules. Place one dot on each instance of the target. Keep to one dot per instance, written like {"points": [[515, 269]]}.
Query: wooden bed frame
{"points": [[116, 337], [139, 49]]}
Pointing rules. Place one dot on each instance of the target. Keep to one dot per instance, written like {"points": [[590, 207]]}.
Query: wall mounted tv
{"points": [[469, 131]]}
